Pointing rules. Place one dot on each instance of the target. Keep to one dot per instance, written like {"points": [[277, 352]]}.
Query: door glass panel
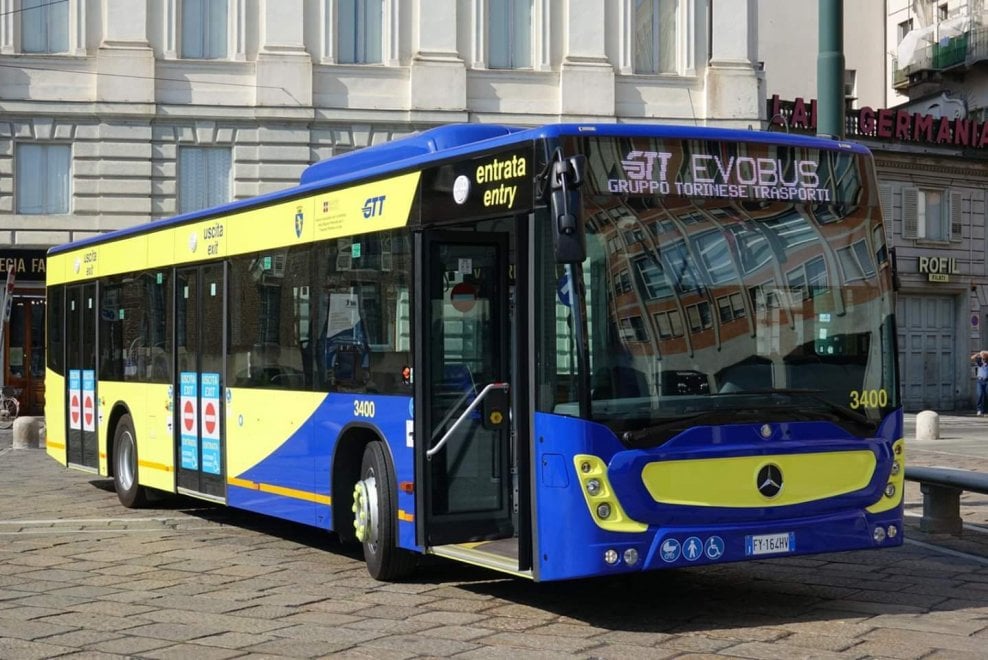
{"points": [[17, 355], [36, 365], [464, 358]]}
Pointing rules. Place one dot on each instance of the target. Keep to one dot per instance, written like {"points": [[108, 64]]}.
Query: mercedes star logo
{"points": [[769, 480]]}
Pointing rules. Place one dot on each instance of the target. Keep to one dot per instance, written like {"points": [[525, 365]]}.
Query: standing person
{"points": [[981, 367]]}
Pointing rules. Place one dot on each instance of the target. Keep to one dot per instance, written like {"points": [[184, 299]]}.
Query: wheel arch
{"points": [[347, 456], [118, 410]]}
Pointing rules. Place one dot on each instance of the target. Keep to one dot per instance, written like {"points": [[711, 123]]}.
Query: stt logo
{"points": [[640, 165], [373, 206]]}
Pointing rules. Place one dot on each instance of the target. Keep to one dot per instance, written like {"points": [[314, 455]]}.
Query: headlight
{"points": [[604, 510], [593, 486]]}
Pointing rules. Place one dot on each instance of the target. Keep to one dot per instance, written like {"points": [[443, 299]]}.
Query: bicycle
{"points": [[9, 407]]}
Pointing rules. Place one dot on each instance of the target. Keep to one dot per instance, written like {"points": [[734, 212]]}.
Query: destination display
{"points": [[720, 170]]}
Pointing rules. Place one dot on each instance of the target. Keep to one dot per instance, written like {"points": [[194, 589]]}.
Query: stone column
{"points": [[586, 77], [125, 60], [438, 73], [734, 86], [284, 68]]}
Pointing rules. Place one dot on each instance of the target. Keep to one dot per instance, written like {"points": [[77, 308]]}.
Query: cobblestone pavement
{"points": [[82, 577]]}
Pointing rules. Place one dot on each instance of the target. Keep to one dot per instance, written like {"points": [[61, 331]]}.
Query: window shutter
{"points": [[885, 198], [192, 29], [956, 218], [910, 215]]}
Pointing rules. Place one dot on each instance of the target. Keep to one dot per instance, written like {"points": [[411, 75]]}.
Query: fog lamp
{"points": [[611, 556], [879, 534], [604, 510], [889, 490], [895, 468], [585, 467], [593, 486], [630, 556], [893, 531]]}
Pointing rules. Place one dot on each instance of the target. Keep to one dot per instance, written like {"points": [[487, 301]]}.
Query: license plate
{"points": [[770, 544]]}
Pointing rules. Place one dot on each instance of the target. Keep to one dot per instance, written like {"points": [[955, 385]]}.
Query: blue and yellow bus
{"points": [[555, 352]]}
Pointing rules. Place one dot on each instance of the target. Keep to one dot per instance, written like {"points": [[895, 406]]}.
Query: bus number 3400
{"points": [[363, 408], [869, 399]]}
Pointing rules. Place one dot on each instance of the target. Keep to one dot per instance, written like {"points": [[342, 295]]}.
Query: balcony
{"points": [[920, 58]]}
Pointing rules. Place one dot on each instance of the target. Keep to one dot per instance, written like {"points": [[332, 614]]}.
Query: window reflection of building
{"points": [[715, 283]]}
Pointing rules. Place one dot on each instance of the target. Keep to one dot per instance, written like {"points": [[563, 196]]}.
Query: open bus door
{"points": [[463, 424]]}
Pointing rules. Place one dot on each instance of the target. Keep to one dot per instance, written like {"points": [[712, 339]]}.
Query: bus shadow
{"points": [[844, 587], [847, 587]]}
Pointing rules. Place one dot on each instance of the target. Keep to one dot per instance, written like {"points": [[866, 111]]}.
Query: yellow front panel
{"points": [[55, 415], [730, 482], [260, 421]]}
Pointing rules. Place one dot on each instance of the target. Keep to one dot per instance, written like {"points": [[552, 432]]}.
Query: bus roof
{"points": [[454, 140]]}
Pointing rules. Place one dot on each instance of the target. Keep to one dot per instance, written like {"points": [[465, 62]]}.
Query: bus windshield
{"points": [[735, 304]]}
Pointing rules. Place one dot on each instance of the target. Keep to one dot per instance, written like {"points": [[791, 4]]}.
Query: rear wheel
{"points": [[131, 494], [375, 517]]}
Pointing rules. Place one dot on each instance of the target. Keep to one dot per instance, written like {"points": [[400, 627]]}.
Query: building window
{"points": [[203, 177], [360, 36], [904, 28], [654, 25], [204, 29], [942, 12], [42, 173], [509, 35], [933, 215], [44, 26]]}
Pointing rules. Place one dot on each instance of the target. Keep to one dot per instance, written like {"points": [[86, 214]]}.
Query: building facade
{"points": [[924, 122], [117, 112]]}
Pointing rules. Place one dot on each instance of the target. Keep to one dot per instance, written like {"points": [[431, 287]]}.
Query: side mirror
{"points": [[568, 231]]}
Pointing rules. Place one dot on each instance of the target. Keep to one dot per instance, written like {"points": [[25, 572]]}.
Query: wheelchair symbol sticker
{"points": [[714, 547], [670, 550]]}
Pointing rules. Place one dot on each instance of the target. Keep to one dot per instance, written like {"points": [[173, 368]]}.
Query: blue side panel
{"points": [[303, 463], [682, 536], [271, 505]]}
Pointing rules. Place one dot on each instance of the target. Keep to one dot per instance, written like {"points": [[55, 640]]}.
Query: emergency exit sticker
{"points": [[187, 408], [210, 423]]}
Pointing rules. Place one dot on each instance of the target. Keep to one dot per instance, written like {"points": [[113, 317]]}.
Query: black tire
{"points": [[125, 478], [376, 517]]}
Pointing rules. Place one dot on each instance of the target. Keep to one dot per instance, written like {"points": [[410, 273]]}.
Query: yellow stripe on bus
{"points": [[280, 490], [56, 445], [359, 209], [155, 466], [404, 516]]}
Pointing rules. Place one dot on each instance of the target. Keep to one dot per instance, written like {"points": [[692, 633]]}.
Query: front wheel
{"points": [[376, 517], [132, 495]]}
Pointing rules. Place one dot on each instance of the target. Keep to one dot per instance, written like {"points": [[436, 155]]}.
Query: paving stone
{"points": [[18, 649], [189, 651]]}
